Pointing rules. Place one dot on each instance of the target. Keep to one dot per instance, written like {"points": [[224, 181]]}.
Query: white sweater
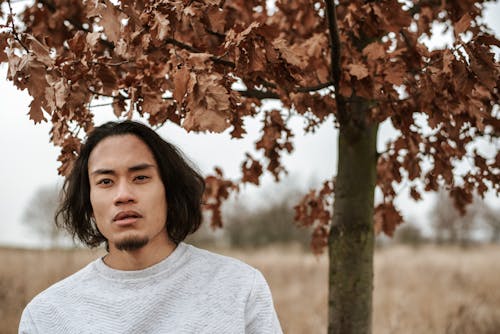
{"points": [[191, 291]]}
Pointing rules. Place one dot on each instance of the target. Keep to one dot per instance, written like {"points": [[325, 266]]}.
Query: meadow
{"points": [[427, 289]]}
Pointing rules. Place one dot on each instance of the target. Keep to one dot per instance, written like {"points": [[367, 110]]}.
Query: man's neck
{"points": [[147, 256]]}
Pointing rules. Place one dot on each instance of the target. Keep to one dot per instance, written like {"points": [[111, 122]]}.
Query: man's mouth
{"points": [[126, 217]]}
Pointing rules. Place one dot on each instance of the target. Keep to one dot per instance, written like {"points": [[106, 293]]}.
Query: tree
{"points": [[492, 219], [451, 227], [409, 234], [267, 224], [40, 212], [208, 64]]}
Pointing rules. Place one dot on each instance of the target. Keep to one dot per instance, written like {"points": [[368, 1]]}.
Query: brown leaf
{"points": [[232, 37], [461, 198], [118, 106], [319, 239], [374, 51], [161, 27], [181, 79], [61, 93], [208, 106], [395, 74], [40, 51], [463, 24], [358, 70], [93, 38], [199, 61], [4, 36], [488, 39], [448, 59], [77, 43], [252, 170], [386, 218], [36, 113], [152, 103], [217, 19], [216, 191], [111, 18], [28, 72], [290, 55]]}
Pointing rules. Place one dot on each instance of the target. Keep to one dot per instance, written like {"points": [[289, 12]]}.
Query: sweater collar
{"points": [[167, 264]]}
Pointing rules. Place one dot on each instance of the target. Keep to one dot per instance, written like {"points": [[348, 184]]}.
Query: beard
{"points": [[131, 243]]}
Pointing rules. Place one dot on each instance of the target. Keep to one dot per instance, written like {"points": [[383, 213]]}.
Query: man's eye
{"points": [[141, 177], [104, 181]]}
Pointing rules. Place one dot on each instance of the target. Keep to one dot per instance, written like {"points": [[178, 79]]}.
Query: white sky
{"points": [[29, 160]]}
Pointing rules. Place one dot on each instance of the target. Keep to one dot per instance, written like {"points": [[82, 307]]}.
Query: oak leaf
{"points": [[217, 19], [161, 27], [181, 80], [208, 106], [4, 36], [36, 113], [119, 106], [374, 51], [395, 74], [290, 55], [110, 18], [358, 70], [386, 218], [152, 103], [463, 24], [251, 169]]}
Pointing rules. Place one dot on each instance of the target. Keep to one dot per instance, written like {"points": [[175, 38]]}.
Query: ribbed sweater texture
{"points": [[190, 291]]}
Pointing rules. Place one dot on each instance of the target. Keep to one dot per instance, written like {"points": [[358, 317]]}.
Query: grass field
{"points": [[424, 290]]}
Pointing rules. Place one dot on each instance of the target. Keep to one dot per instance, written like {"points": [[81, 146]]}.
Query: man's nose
{"points": [[124, 193]]}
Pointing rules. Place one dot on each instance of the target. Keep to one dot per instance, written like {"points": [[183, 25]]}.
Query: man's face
{"points": [[126, 192]]}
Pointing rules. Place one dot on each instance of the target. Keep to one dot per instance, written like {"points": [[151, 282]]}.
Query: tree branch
{"points": [[99, 94], [215, 33], [102, 105], [272, 95], [258, 94], [13, 27], [335, 54], [314, 88], [110, 64], [192, 49]]}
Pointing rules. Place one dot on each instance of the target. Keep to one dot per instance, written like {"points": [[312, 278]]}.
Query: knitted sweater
{"points": [[190, 291]]}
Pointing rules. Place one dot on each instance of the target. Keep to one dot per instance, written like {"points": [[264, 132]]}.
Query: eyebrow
{"points": [[135, 168]]}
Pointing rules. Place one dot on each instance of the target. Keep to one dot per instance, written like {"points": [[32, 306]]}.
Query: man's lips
{"points": [[126, 217]]}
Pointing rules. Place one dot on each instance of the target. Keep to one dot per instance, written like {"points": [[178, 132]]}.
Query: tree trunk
{"points": [[351, 239]]}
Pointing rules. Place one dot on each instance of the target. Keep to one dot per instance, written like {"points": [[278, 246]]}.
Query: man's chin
{"points": [[131, 243]]}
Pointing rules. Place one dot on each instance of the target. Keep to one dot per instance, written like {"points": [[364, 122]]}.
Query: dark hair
{"points": [[184, 186]]}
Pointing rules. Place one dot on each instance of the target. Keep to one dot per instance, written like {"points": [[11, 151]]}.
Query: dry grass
{"points": [[425, 290]]}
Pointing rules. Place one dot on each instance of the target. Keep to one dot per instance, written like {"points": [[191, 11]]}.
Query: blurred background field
{"points": [[440, 278], [425, 289]]}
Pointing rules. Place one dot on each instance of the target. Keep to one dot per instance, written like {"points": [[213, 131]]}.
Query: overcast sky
{"points": [[29, 160]]}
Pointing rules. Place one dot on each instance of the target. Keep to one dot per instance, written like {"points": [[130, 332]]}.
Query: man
{"points": [[134, 192]]}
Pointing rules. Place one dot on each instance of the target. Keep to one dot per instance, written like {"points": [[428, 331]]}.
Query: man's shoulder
{"points": [[219, 263], [62, 288]]}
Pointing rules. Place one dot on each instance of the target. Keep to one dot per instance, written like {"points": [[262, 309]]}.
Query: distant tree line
{"points": [[273, 223], [480, 224]]}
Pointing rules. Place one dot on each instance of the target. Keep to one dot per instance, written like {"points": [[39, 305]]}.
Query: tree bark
{"points": [[351, 239]]}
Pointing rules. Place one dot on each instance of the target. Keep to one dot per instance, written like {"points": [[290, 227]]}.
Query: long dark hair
{"points": [[184, 186]]}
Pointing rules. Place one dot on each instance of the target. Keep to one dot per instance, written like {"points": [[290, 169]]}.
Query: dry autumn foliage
{"points": [[206, 65]]}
